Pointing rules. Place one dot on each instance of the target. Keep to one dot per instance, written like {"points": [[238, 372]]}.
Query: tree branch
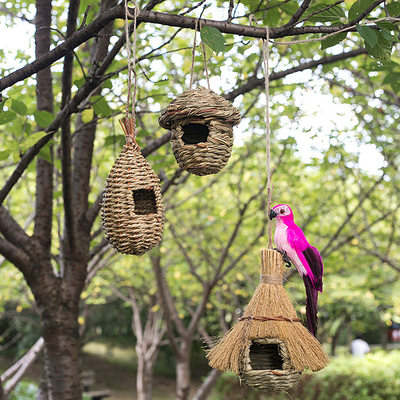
{"points": [[44, 99], [362, 198], [12, 231], [66, 84], [255, 82], [171, 316], [145, 15], [14, 254], [297, 15]]}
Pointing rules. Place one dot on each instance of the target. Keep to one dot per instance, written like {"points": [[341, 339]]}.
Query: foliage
{"points": [[24, 391]]}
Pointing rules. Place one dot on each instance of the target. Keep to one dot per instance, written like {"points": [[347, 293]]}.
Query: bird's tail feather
{"points": [[312, 305]]}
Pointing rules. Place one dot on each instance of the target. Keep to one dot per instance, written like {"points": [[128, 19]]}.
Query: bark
{"points": [[42, 393], [2, 397], [183, 372], [144, 376], [204, 391]]}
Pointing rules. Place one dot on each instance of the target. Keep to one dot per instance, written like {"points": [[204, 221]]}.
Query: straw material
{"points": [[298, 349], [132, 210], [207, 155]]}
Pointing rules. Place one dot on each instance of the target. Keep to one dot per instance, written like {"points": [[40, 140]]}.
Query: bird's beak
{"points": [[272, 214]]}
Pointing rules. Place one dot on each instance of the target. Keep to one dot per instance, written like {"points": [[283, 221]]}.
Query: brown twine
{"points": [[129, 130], [193, 55], [205, 64], [265, 318], [268, 144], [131, 62], [203, 49], [265, 49], [271, 279]]}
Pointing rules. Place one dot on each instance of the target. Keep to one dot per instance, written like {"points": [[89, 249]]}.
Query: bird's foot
{"points": [[286, 258]]}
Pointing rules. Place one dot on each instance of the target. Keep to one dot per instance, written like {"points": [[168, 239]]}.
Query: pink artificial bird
{"points": [[290, 240]]}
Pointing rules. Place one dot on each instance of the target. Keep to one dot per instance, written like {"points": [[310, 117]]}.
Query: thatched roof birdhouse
{"points": [[202, 124], [132, 211], [269, 347]]}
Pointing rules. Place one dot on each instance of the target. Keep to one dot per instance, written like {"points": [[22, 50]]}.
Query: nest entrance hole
{"points": [[194, 133], [265, 356], [145, 201]]}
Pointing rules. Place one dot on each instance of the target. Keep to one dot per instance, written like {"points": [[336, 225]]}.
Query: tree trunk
{"points": [[144, 378], [43, 393], [2, 397], [60, 329], [183, 373], [62, 361]]}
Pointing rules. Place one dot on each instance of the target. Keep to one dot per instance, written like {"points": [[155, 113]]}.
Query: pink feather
{"points": [[290, 238]]}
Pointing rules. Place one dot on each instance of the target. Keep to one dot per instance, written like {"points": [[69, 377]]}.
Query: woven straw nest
{"points": [[201, 123], [269, 353], [132, 211]]}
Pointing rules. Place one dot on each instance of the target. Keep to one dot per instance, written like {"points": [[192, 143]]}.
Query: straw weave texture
{"points": [[298, 348], [132, 209], [201, 106]]}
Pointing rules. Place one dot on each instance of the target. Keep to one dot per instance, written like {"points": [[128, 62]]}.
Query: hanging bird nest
{"points": [[202, 124], [269, 347], [132, 211]]}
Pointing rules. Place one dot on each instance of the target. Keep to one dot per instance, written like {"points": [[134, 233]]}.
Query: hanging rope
{"points": [[203, 48], [193, 55], [131, 97], [265, 47]]}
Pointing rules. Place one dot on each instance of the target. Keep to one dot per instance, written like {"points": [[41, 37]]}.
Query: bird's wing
{"points": [[314, 260], [308, 256], [311, 306]]}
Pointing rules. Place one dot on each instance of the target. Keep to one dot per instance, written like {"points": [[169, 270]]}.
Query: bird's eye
{"points": [[282, 211]]}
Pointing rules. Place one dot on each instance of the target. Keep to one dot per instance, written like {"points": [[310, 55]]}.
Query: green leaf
{"points": [[393, 79], [333, 40], [31, 140], [4, 154], [2, 102], [19, 107], [43, 118], [87, 115], [115, 140], [290, 7], [386, 25], [358, 8], [6, 117], [79, 82], [45, 153], [331, 15], [101, 107], [272, 17], [393, 8], [107, 84], [370, 35], [213, 37]]}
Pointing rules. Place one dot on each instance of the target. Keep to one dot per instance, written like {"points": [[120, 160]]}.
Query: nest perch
{"points": [[201, 123], [269, 347], [132, 211]]}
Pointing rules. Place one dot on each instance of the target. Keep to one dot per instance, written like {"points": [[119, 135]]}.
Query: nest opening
{"points": [[194, 133], [145, 201], [265, 356]]}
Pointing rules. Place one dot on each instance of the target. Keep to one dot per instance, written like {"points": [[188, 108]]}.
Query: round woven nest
{"points": [[269, 379], [132, 210], [201, 123]]}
